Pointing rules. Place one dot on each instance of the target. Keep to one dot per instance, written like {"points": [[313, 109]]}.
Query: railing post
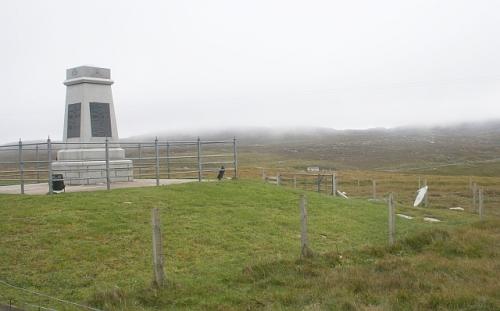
{"points": [[168, 160], [157, 164], [37, 166], [235, 158], [21, 165], [392, 219], [106, 147], [140, 160], [199, 160], [49, 163]]}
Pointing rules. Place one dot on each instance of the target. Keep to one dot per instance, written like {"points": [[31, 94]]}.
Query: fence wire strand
{"points": [[47, 296]]}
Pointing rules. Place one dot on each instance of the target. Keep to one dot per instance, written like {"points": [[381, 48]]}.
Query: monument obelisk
{"points": [[90, 118]]}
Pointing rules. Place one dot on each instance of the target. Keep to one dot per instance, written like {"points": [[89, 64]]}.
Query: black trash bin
{"points": [[221, 173], [58, 182]]}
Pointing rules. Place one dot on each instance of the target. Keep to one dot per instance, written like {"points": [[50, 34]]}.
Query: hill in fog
{"points": [[468, 148]]}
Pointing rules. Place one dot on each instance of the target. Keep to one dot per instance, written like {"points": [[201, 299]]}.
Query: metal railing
{"points": [[29, 163]]}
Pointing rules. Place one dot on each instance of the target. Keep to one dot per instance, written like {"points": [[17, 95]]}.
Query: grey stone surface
{"points": [[93, 172], [89, 121], [87, 87], [88, 71], [96, 154], [43, 188]]}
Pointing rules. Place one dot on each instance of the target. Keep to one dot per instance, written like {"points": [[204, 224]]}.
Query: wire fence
{"points": [[444, 191], [34, 300], [324, 182], [81, 163]]}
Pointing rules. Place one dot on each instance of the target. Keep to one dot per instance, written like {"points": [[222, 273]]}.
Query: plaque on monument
{"points": [[100, 120], [74, 117]]}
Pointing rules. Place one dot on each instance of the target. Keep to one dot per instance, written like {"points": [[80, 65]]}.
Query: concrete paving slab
{"points": [[43, 188]]}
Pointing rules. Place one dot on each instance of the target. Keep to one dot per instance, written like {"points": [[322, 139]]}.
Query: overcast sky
{"points": [[183, 64]]}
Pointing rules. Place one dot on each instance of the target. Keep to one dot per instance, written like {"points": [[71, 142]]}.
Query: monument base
{"points": [[93, 172], [88, 166], [91, 154]]}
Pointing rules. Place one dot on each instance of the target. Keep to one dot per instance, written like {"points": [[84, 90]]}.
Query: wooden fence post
{"points": [[304, 241], [294, 182], [374, 185], [264, 179], [334, 184], [159, 274], [481, 206], [392, 219], [474, 196], [319, 184], [278, 179]]}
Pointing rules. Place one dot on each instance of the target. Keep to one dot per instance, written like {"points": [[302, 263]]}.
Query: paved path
{"points": [[8, 308], [43, 188]]}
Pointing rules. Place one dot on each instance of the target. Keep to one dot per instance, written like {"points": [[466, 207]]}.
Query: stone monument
{"points": [[90, 118]]}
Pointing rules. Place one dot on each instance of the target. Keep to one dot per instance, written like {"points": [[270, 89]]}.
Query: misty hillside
{"points": [[265, 135], [469, 148]]}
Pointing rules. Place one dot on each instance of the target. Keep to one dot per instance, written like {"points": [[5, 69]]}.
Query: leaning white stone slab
{"points": [[421, 193], [430, 219], [405, 216], [342, 194]]}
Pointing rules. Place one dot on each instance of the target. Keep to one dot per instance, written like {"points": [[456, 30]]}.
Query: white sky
{"points": [[183, 64]]}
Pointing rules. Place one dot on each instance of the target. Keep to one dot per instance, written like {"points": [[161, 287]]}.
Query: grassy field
{"points": [[235, 245]]}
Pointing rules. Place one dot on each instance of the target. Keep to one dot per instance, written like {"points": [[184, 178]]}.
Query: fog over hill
{"points": [[265, 135], [484, 131], [467, 148]]}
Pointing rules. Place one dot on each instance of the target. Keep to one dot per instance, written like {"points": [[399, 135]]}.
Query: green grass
{"points": [[235, 245]]}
